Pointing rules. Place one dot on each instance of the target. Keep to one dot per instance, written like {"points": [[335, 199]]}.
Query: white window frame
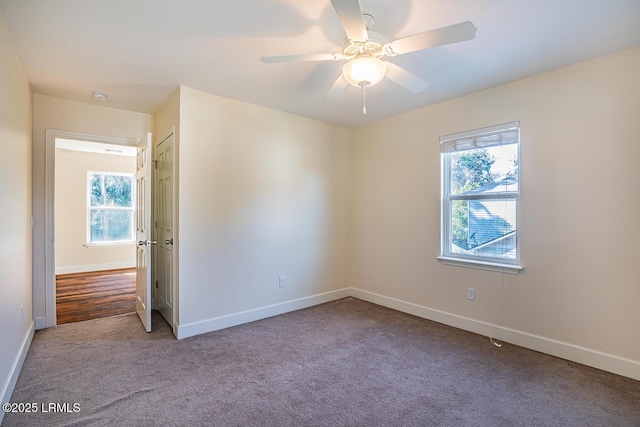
{"points": [[485, 137], [113, 208]]}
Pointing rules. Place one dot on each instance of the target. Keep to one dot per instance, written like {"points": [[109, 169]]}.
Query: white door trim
{"points": [[49, 211]]}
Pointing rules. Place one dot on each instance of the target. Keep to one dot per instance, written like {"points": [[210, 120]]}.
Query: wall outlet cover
{"points": [[471, 294]]}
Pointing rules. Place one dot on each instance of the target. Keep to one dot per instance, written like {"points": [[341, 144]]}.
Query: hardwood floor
{"points": [[84, 296]]}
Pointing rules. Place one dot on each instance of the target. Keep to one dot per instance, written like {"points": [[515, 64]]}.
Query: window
{"points": [[480, 191], [110, 207]]}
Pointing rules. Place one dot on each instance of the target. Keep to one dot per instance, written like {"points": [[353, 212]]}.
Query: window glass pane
{"points": [[110, 190], [484, 228], [484, 170], [111, 225], [96, 190]]}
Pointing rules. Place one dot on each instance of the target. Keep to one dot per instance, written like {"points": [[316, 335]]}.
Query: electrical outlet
{"points": [[471, 294], [22, 313], [281, 281]]}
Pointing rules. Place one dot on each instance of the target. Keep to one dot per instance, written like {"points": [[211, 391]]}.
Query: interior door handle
{"points": [[147, 242], [168, 242]]}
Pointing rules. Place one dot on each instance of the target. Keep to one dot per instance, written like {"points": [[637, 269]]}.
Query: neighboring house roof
{"points": [[493, 222], [506, 184], [490, 220]]}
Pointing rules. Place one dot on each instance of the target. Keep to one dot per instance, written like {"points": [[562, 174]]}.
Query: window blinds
{"points": [[507, 133]]}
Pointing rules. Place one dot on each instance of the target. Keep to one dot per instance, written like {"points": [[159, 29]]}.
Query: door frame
{"points": [[49, 211]]}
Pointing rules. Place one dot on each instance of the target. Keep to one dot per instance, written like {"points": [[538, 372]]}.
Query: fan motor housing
{"points": [[371, 48]]}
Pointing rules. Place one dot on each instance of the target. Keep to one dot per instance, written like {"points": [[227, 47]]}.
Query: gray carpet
{"points": [[345, 363]]}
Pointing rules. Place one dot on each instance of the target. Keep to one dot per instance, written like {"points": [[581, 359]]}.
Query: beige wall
{"points": [[579, 201], [60, 114], [15, 213], [168, 116], [262, 194], [71, 254]]}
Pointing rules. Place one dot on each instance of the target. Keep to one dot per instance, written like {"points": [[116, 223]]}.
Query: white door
{"points": [[164, 227], [143, 232]]}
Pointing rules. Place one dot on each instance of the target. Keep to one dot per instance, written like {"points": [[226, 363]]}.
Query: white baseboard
{"points": [[606, 362], [95, 267], [221, 322], [10, 382]]}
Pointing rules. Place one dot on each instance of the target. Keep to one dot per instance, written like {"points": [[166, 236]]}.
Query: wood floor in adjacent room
{"points": [[85, 296]]}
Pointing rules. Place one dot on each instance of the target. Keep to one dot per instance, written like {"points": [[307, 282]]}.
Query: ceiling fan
{"points": [[363, 50]]}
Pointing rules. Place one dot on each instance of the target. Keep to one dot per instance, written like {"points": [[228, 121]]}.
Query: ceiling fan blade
{"points": [[301, 58], [337, 88], [409, 81], [438, 37], [351, 18]]}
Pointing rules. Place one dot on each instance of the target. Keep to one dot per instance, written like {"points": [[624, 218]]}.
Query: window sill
{"points": [[481, 265]]}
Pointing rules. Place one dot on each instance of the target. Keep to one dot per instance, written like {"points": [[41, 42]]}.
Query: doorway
{"points": [[164, 269], [164, 264], [95, 247], [50, 212]]}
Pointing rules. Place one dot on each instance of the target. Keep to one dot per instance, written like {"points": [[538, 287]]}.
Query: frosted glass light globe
{"points": [[364, 71]]}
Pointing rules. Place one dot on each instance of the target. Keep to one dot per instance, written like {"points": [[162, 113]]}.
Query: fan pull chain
{"points": [[364, 99]]}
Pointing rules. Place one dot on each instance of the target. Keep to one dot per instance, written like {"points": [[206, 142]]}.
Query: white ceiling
{"points": [[140, 51]]}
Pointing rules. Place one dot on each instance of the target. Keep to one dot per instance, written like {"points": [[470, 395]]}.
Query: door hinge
{"points": [[156, 284], [155, 164]]}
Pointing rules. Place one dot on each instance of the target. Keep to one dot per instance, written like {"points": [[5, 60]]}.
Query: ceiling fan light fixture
{"points": [[364, 71]]}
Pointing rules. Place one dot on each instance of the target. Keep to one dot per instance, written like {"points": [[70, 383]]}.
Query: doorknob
{"points": [[147, 242], [168, 242]]}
